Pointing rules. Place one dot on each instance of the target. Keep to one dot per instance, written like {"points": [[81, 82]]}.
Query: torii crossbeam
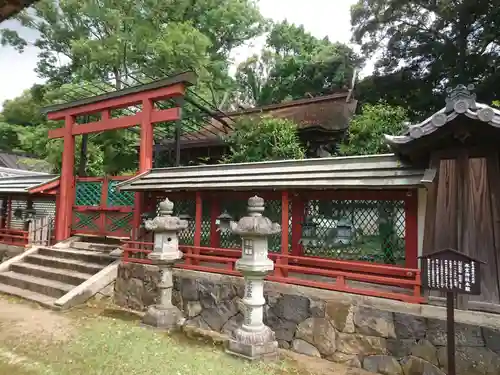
{"points": [[145, 95]]}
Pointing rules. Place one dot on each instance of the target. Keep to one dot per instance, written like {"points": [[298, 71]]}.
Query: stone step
{"points": [[62, 263], [64, 276], [91, 246], [29, 295], [50, 288], [85, 255]]}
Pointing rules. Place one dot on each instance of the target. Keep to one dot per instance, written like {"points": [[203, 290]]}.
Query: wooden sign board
{"points": [[454, 273], [450, 271]]}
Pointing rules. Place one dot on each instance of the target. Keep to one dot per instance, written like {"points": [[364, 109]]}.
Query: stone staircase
{"points": [[46, 274]]}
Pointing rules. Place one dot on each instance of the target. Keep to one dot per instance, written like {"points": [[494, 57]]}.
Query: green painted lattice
{"points": [[86, 221], [119, 198], [119, 223], [88, 193]]}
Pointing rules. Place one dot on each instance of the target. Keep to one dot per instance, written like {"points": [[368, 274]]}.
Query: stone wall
{"points": [[382, 336]]}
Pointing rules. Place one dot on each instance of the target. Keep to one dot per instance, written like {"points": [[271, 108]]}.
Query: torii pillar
{"points": [[145, 95]]}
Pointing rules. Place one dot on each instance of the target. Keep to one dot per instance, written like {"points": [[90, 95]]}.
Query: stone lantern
{"points": [[254, 340], [344, 232], [164, 255]]}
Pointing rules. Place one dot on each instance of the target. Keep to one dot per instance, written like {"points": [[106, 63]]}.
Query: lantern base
{"points": [[163, 317], [253, 345], [253, 352]]}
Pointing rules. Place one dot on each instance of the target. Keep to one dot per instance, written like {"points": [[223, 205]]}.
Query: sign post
{"points": [[454, 273]]}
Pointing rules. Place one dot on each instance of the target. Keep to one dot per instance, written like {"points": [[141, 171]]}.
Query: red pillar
{"points": [[65, 209], [197, 226], [214, 213], [284, 233], [411, 230], [297, 219], [145, 156], [146, 143]]}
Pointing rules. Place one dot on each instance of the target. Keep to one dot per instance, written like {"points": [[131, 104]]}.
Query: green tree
{"points": [[266, 138], [294, 64], [109, 39], [424, 46], [25, 129], [366, 130], [123, 43]]}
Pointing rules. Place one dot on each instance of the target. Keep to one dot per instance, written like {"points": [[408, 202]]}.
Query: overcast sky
{"points": [[319, 17]]}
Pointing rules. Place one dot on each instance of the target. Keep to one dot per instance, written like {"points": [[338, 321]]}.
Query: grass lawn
{"points": [[97, 340]]}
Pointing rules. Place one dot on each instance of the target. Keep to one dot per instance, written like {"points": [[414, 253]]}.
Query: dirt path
{"points": [[36, 341], [22, 320]]}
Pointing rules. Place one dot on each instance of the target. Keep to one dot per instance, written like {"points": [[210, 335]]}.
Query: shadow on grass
{"points": [[127, 316]]}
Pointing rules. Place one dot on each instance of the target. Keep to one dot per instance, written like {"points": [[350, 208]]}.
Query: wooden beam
{"points": [[66, 192], [164, 115], [120, 102], [50, 187], [116, 123]]}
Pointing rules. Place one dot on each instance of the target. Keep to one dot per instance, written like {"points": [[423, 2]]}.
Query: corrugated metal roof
{"points": [[11, 172], [21, 184], [372, 171]]}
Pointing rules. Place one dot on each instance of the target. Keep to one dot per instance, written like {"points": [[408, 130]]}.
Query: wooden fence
{"points": [[386, 281]]}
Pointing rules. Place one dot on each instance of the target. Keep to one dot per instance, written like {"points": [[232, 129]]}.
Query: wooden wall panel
{"points": [[446, 206], [477, 239], [493, 163]]}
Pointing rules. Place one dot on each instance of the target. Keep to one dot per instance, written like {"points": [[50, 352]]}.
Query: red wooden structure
{"points": [[205, 192], [102, 106], [19, 205], [99, 209]]}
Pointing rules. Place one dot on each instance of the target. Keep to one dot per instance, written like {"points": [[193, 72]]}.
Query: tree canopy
{"points": [[261, 139], [109, 39], [425, 46], [366, 130], [294, 64]]}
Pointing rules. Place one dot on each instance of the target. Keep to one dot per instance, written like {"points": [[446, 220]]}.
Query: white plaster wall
{"points": [[422, 204]]}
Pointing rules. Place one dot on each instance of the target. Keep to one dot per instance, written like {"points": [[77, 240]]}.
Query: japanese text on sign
{"points": [[451, 274]]}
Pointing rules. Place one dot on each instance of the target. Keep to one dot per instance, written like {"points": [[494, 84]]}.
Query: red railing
{"points": [[369, 279], [15, 237]]}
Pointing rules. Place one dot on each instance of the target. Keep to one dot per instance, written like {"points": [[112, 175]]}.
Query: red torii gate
{"points": [[146, 95]]}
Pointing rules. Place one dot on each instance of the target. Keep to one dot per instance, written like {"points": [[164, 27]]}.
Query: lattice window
{"points": [[186, 207], [273, 212], [376, 234], [88, 193], [86, 221], [239, 208], [119, 198], [120, 224]]}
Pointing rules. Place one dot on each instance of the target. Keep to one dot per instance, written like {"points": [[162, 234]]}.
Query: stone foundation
{"points": [[382, 336]]}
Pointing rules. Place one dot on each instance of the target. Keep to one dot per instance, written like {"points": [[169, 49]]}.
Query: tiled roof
{"points": [[460, 102], [21, 162], [8, 8]]}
